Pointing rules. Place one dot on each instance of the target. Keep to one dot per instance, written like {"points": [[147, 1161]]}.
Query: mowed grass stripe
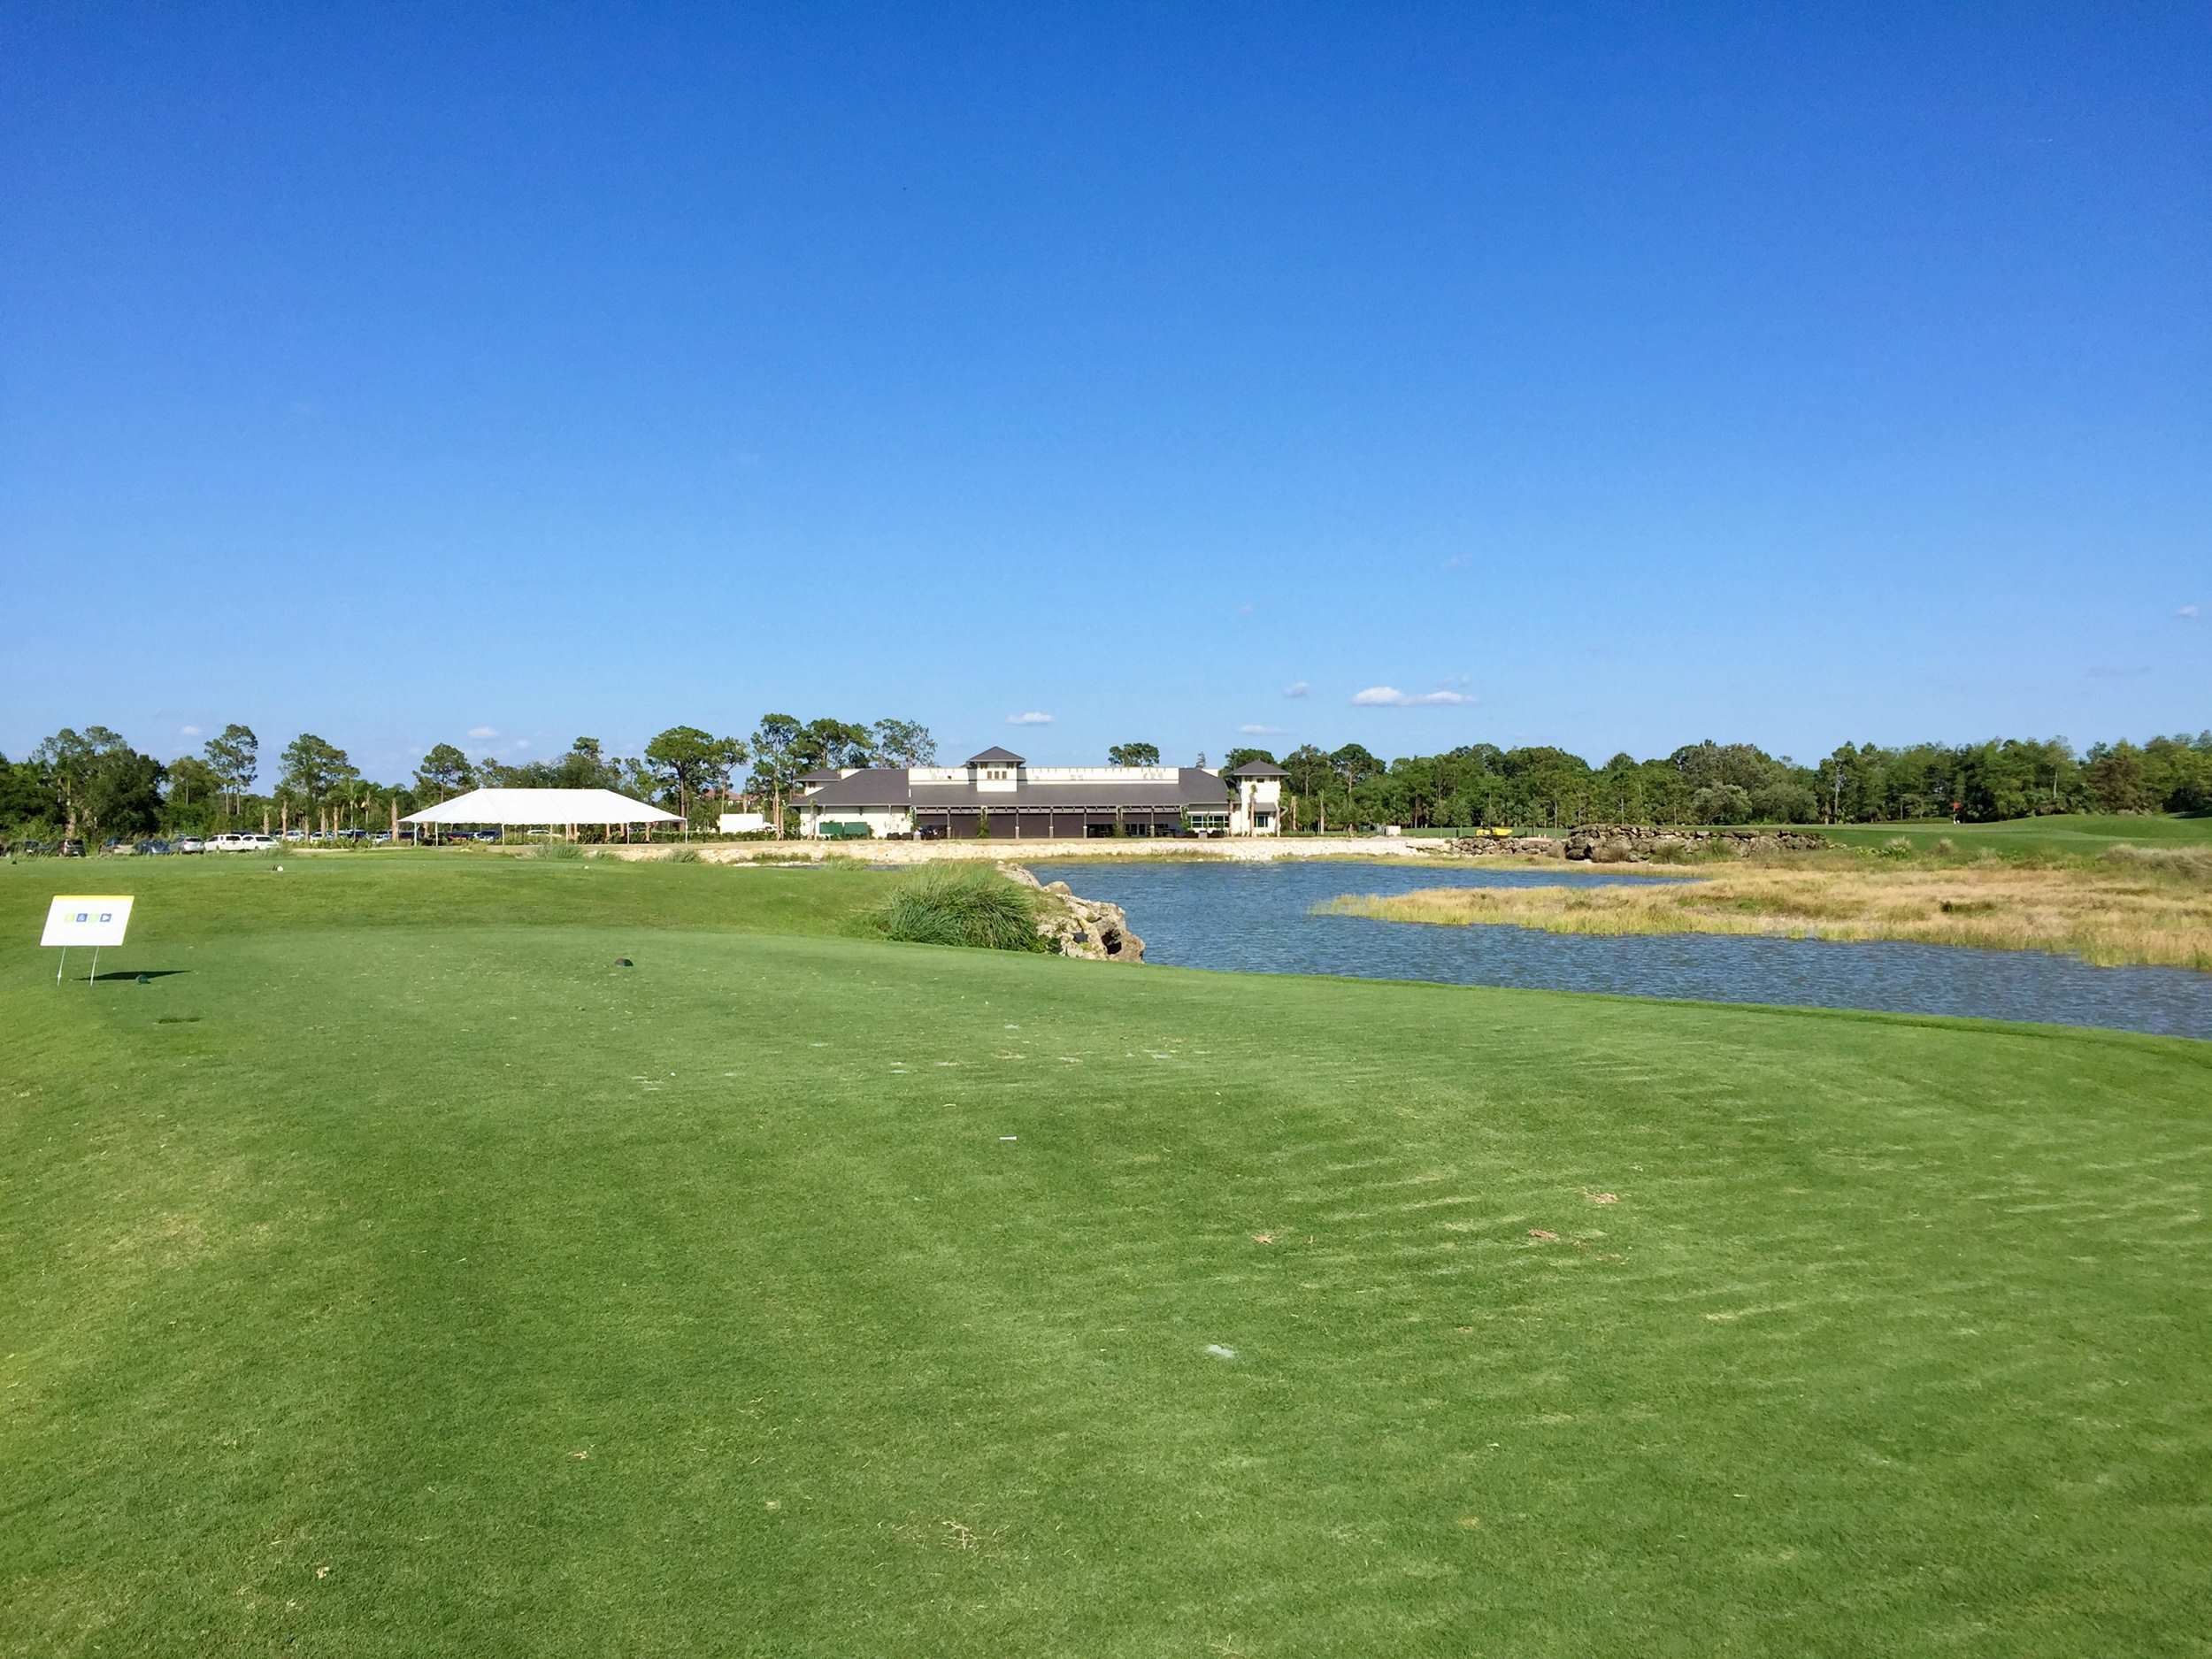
{"points": [[349, 1272]]}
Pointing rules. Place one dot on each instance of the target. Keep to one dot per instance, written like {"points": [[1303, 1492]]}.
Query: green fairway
{"points": [[396, 1275], [2061, 833]]}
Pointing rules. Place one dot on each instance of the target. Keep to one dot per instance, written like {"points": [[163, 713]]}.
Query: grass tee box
{"points": [[409, 1279]]}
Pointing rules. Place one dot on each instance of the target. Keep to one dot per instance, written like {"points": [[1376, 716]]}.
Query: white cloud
{"points": [[1245, 610], [1029, 717], [522, 742], [1261, 730], [2187, 614], [1296, 689], [1391, 697], [483, 731], [188, 730]]}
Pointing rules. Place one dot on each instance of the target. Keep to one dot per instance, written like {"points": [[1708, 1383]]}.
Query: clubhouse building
{"points": [[1000, 795]]}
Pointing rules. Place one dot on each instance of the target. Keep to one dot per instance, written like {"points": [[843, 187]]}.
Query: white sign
{"points": [[743, 823], [78, 920]]}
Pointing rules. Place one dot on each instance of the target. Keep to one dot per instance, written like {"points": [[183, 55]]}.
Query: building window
{"points": [[996, 774]]}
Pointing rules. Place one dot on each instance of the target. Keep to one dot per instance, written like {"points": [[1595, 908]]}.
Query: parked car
{"points": [[236, 842], [485, 836], [115, 847], [152, 849], [70, 849], [191, 844]]}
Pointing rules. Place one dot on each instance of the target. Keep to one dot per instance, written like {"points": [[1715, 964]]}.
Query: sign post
{"points": [[93, 919]]}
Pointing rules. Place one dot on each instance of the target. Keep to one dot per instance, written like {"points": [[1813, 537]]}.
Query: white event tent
{"points": [[544, 807]]}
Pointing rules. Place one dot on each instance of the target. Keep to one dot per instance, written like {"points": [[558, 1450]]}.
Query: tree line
{"points": [[1481, 784], [93, 783]]}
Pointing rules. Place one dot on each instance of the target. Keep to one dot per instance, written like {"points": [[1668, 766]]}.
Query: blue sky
{"points": [[1613, 379]]}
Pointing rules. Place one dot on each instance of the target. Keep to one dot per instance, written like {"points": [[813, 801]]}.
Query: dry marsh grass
{"points": [[2133, 906]]}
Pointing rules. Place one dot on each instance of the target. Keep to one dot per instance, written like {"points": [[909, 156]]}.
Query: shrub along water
{"points": [[947, 905]]}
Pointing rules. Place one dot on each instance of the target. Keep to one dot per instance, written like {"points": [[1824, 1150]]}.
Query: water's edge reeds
{"points": [[2133, 907]]}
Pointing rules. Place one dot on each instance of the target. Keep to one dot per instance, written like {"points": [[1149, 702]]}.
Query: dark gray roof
{"points": [[826, 775], [994, 756], [888, 786], [1259, 769]]}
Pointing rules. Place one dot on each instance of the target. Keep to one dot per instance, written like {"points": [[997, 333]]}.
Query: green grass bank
{"points": [[396, 1275], [2057, 836]]}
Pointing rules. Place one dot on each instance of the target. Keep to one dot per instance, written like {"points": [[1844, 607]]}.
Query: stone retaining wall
{"points": [[1635, 843]]}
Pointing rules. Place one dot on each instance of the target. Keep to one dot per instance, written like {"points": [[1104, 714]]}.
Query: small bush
{"points": [[1897, 846], [562, 849], [1945, 847], [679, 856], [946, 906]]}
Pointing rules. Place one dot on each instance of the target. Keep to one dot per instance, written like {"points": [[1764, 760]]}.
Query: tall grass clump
{"points": [[942, 905], [557, 849], [1708, 852], [2191, 864]]}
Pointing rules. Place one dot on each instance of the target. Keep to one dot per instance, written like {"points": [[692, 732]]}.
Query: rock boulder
{"points": [[1089, 928]]}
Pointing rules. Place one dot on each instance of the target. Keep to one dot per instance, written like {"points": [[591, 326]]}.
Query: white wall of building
{"points": [[1259, 807], [1050, 775], [881, 820]]}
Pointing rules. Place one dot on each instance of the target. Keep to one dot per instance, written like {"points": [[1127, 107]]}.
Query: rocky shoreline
{"points": [[1089, 928], [1632, 843]]}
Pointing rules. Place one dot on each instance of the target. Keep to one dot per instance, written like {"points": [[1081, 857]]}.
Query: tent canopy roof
{"points": [[541, 806]]}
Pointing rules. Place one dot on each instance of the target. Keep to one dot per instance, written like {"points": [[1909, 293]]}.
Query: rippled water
{"points": [[1256, 918]]}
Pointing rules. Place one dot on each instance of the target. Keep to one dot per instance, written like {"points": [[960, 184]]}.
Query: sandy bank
{"points": [[1006, 850]]}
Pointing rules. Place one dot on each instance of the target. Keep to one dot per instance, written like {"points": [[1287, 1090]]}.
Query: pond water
{"points": [[1257, 918]]}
